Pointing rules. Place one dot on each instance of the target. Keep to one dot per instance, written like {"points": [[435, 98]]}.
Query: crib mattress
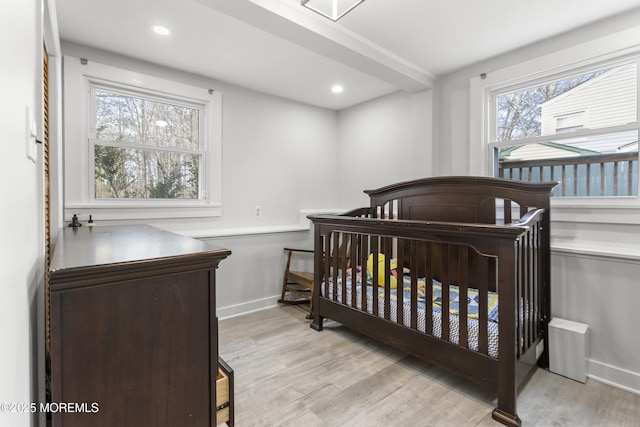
{"points": [[472, 325]]}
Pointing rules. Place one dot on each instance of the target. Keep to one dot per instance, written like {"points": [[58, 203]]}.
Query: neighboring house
{"points": [[543, 150], [592, 165], [581, 107], [629, 147]]}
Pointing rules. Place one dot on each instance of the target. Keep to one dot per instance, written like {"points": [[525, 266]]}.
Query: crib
{"points": [[478, 246]]}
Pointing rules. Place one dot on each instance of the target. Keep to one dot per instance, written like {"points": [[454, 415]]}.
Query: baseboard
{"points": [[247, 307], [614, 376]]}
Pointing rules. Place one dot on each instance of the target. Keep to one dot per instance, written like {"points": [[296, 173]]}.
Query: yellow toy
{"points": [[393, 265]]}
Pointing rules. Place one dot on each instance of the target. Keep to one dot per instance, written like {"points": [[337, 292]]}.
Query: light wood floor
{"points": [[287, 374]]}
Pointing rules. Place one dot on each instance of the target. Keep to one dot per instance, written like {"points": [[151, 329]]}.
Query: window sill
{"points": [[243, 231], [602, 211], [598, 250], [152, 210], [303, 225]]}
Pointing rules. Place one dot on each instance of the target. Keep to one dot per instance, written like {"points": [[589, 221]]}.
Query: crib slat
{"points": [[336, 268], [386, 245], [534, 288], [327, 267], [530, 290], [523, 210], [413, 259], [537, 266], [445, 293], [463, 289], [351, 263], [507, 211], [374, 275], [521, 331], [400, 282], [364, 254], [483, 298], [523, 308], [529, 236], [428, 291]]}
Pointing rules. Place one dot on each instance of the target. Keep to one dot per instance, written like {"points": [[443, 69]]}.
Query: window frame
{"points": [[539, 70], [96, 84], [79, 78], [494, 145]]}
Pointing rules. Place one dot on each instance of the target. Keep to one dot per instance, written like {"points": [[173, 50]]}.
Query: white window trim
{"points": [[616, 47], [79, 198]]}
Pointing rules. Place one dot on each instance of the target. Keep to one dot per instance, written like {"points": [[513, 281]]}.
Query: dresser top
{"points": [[89, 247]]}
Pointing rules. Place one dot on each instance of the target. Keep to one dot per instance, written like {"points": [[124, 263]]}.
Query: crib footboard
{"points": [[468, 297]]}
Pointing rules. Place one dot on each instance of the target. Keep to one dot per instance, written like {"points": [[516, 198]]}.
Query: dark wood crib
{"points": [[485, 240]]}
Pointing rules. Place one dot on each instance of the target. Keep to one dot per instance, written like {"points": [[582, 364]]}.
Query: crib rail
{"points": [[530, 283], [466, 255]]}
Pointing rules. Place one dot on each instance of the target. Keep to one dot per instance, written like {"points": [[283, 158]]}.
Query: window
{"points": [[578, 128], [145, 148], [570, 122], [139, 147]]}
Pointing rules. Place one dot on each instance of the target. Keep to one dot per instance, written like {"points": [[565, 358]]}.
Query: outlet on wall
{"points": [[258, 211]]}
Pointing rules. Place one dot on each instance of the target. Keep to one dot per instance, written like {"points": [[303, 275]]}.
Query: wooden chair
{"points": [[299, 283]]}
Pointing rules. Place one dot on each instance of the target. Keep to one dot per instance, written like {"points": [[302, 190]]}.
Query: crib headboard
{"points": [[467, 199], [460, 199]]}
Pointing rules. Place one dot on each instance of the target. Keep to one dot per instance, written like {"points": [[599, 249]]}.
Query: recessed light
{"points": [[337, 89], [161, 30]]}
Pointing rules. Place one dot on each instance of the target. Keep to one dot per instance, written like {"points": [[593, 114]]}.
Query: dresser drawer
{"points": [[224, 394]]}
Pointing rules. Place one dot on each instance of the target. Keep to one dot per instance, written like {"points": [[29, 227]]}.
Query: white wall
{"points": [[595, 249], [384, 141], [21, 192]]}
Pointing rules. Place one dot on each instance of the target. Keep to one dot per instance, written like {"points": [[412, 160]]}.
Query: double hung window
{"points": [[579, 128], [145, 147], [139, 147]]}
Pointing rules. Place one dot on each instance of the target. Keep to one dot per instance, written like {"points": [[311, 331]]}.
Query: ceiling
{"points": [[280, 48]]}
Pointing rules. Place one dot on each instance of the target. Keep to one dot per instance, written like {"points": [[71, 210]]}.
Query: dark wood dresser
{"points": [[134, 332]]}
